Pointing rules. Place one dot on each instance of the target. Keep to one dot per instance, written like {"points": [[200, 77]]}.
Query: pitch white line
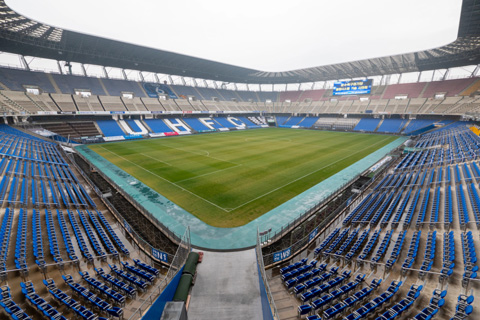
{"points": [[146, 155], [328, 165], [206, 174], [162, 178]]}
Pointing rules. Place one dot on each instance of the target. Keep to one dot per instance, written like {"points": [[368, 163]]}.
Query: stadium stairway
{"points": [[474, 87], [54, 83], [407, 123], [227, 287], [103, 87], [286, 303], [378, 126], [4, 87]]}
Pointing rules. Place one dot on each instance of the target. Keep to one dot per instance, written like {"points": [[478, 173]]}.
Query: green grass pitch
{"points": [[229, 179]]}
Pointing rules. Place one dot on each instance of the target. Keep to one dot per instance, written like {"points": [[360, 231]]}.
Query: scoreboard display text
{"points": [[341, 88]]}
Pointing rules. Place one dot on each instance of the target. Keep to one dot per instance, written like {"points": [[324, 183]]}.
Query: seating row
{"points": [[71, 304], [97, 247], [436, 302], [335, 295], [336, 243], [423, 209], [132, 279], [346, 244], [103, 289], [429, 256], [78, 234], [469, 256], [375, 303], [475, 202], [130, 291], [146, 276], [325, 287], [376, 217], [397, 249], [298, 271], [378, 206], [448, 207], [37, 236], [38, 303], [309, 279], [103, 235], [11, 308], [326, 241], [448, 255], [391, 208], [435, 208], [370, 245], [357, 246], [52, 238], [21, 243], [350, 301], [67, 240], [462, 208], [411, 210], [112, 233], [383, 246], [401, 209], [463, 308], [412, 251], [403, 305]]}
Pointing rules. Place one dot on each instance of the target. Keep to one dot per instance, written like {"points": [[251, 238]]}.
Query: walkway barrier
{"points": [[265, 292]]}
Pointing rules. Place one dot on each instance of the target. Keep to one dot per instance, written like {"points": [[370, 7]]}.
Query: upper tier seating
{"points": [[68, 84], [412, 90], [417, 124], [16, 80], [450, 87], [116, 87], [366, 124], [157, 125], [392, 125], [110, 128]]}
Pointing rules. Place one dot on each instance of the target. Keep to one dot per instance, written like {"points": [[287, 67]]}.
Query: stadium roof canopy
{"points": [[21, 35]]}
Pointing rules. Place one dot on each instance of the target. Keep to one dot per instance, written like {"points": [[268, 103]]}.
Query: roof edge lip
{"points": [[124, 42], [149, 59], [209, 60]]}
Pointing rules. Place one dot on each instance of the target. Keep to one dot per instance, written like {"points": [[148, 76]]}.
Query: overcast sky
{"points": [[268, 35]]}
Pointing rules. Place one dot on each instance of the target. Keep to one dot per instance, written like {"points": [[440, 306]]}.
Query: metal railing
{"points": [[261, 266], [178, 261]]}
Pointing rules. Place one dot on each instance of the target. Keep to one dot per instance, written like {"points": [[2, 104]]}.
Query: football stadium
{"points": [[139, 183]]}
